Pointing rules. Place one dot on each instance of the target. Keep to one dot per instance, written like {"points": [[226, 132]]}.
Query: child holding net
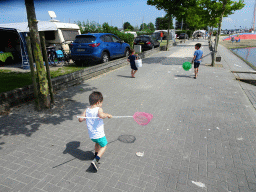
{"points": [[95, 125]]}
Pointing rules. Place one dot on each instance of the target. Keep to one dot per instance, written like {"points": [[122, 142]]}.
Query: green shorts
{"points": [[101, 141]]}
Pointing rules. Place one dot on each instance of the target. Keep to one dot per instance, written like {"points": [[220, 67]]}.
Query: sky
{"points": [[115, 12]]}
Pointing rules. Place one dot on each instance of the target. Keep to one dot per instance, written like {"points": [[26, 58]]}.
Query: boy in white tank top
{"points": [[95, 125]]}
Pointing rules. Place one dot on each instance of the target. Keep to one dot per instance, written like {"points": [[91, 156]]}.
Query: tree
{"points": [[35, 41], [217, 10], [172, 8], [162, 23], [194, 18], [151, 26], [127, 25], [143, 27]]}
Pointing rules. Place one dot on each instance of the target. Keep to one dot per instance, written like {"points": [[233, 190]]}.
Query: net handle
{"points": [[98, 117]]}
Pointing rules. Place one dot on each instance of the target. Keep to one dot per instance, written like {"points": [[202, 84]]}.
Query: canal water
{"points": [[249, 54]]}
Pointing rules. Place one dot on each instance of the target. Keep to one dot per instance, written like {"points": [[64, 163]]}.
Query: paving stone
{"points": [[44, 181], [51, 188], [111, 189], [66, 184], [123, 186], [207, 136], [30, 185]]}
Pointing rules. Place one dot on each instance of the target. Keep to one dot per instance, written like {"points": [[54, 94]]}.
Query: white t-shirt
{"points": [[95, 126]]}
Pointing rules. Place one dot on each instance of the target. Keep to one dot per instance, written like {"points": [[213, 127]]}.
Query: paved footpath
{"points": [[202, 136]]}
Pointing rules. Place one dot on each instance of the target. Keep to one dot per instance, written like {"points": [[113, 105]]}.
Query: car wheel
{"points": [[104, 57], [127, 52]]}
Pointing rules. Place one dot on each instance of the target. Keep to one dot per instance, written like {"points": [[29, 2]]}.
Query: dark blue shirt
{"points": [[132, 59]]}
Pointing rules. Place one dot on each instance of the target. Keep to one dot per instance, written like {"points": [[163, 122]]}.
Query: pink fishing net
{"points": [[142, 118]]}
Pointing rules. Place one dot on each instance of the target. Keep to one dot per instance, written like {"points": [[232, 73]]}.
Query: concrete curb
{"points": [[21, 95]]}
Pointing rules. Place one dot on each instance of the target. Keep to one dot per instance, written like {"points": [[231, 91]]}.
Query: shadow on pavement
{"points": [[72, 149], [166, 60], [26, 120], [184, 76], [125, 139], [124, 76]]}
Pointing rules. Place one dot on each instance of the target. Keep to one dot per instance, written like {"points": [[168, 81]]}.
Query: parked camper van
{"points": [[13, 37]]}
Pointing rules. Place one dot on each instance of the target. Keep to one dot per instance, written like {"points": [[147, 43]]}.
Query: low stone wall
{"points": [[21, 95]]}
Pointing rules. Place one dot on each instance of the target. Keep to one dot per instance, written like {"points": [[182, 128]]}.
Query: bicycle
{"points": [[52, 56], [63, 55]]}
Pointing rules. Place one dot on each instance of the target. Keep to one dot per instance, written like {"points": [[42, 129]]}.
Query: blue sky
{"points": [[115, 11]]}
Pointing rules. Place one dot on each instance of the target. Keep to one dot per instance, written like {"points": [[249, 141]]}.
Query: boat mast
{"points": [[253, 25]]}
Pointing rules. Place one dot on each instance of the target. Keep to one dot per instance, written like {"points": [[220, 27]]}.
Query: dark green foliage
{"points": [[162, 23], [105, 28], [126, 37], [151, 26], [143, 27], [128, 26]]}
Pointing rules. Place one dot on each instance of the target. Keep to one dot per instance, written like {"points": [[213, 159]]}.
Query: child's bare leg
{"points": [[97, 147], [134, 72], [195, 71], [102, 151]]}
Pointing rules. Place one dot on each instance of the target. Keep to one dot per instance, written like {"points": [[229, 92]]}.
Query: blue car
{"points": [[98, 47]]}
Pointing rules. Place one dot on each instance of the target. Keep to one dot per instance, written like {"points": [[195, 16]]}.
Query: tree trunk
{"points": [[32, 70], [220, 23], [169, 23], [42, 38], [35, 41], [218, 35]]}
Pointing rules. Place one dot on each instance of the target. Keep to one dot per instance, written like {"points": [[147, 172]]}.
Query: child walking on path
{"points": [[95, 126], [132, 59], [198, 55]]}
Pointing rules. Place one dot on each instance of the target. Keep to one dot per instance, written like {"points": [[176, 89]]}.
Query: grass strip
{"points": [[10, 80]]}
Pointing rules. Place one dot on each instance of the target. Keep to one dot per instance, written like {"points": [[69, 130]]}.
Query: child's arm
{"points": [[83, 115], [103, 115], [193, 59]]}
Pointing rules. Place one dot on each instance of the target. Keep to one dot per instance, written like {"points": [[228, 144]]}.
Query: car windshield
{"points": [[85, 39], [141, 38]]}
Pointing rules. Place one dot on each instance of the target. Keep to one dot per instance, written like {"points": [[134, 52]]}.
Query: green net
{"points": [[186, 66]]}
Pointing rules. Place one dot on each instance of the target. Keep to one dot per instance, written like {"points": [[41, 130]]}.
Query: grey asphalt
{"points": [[201, 138]]}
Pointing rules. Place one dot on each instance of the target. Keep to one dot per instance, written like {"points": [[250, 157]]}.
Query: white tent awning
{"points": [[42, 26]]}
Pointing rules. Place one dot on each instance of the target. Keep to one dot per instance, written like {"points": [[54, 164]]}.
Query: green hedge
{"points": [[126, 37], [105, 28]]}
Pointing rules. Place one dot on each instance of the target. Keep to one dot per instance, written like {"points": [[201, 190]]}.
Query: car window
{"points": [[141, 39], [108, 38], [115, 39], [85, 39], [102, 38]]}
